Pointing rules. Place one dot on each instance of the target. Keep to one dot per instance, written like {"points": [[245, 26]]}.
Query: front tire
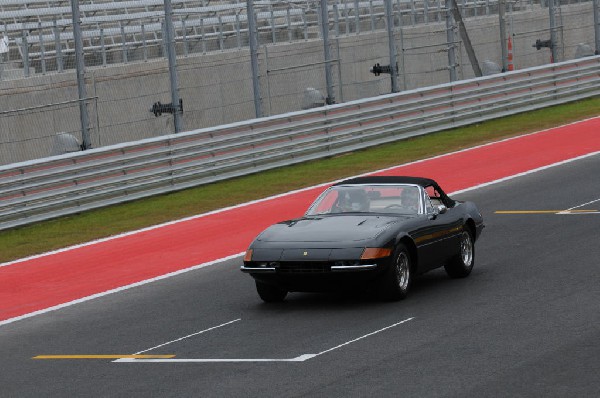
{"points": [[396, 281], [269, 293], [462, 264]]}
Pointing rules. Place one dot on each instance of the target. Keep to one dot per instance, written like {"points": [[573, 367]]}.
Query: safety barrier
{"points": [[51, 187]]}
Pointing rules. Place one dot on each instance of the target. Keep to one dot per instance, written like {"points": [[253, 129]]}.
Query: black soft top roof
{"points": [[424, 182]]}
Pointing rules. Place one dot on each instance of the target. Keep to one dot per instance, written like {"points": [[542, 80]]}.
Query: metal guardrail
{"points": [[47, 188]]}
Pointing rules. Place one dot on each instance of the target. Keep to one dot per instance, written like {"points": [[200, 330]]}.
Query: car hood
{"points": [[338, 228]]}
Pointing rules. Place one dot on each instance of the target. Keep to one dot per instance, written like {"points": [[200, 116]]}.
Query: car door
{"points": [[438, 237]]}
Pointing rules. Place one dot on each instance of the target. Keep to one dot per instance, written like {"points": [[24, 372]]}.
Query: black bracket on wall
{"points": [[158, 108]]}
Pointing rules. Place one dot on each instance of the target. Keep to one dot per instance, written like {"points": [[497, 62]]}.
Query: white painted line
{"points": [[188, 336], [573, 213], [585, 204], [301, 358], [283, 195], [366, 335], [119, 289], [568, 211]]}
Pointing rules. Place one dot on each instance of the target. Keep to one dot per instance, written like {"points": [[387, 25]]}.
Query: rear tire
{"points": [[396, 281], [269, 293], [462, 264]]}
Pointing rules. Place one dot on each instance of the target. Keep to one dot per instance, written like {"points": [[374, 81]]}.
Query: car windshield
{"points": [[385, 198]]}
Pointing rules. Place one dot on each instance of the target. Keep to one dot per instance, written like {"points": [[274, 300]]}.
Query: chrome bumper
{"points": [[353, 268], [334, 268], [257, 270]]}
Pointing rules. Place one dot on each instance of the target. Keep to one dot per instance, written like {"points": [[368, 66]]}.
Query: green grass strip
{"points": [[65, 231]]}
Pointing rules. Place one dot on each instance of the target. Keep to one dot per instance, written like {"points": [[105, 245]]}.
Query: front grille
{"points": [[304, 267]]}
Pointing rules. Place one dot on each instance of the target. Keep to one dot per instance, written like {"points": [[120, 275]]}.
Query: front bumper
{"points": [[332, 268], [316, 276]]}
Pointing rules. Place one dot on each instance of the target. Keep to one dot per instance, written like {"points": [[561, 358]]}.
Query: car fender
{"points": [[404, 237]]}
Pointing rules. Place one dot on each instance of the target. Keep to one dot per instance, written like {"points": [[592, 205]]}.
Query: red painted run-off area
{"points": [[53, 279]]}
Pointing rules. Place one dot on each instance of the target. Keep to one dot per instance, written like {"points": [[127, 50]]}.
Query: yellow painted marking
{"points": [[543, 211], [135, 356]]}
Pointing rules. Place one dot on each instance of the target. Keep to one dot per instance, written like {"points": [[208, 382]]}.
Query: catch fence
{"points": [[126, 76]]}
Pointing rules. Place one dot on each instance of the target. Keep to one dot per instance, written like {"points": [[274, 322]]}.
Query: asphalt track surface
{"points": [[525, 323]]}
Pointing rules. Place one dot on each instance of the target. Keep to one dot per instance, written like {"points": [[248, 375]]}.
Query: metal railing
{"points": [[47, 188]]}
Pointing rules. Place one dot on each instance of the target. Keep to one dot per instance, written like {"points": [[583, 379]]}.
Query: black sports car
{"points": [[366, 231]]}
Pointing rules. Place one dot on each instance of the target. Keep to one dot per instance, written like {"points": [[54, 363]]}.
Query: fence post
{"points": [[551, 7], [503, 43], [389, 18], [42, 49], [170, 44], [58, 48], [327, 53], [596, 8], [450, 38], [102, 47], [25, 55], [402, 54], [356, 17], [83, 114], [253, 42], [339, 67]]}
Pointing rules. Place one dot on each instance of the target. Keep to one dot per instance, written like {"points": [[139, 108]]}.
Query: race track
{"points": [[525, 323], [53, 280]]}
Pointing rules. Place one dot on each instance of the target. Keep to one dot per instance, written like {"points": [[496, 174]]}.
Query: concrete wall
{"points": [[217, 87]]}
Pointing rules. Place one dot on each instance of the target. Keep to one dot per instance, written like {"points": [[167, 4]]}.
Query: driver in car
{"points": [[410, 200], [355, 200]]}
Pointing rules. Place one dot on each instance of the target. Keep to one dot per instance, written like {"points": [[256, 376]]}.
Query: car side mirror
{"points": [[441, 209]]}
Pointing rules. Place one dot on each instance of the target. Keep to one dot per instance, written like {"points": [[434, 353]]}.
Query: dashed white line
{"points": [[300, 358], [188, 336], [366, 335], [569, 211]]}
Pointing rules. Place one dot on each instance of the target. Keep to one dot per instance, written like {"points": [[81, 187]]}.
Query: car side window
{"points": [[434, 196], [429, 209]]}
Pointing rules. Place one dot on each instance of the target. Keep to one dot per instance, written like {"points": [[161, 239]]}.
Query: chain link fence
{"points": [[126, 76]]}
